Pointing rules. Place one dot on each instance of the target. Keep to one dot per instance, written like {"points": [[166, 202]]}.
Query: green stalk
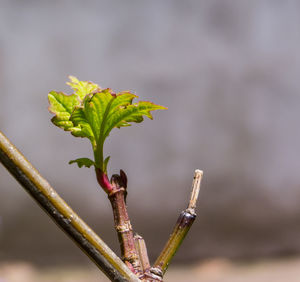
{"points": [[182, 226], [98, 155], [100, 141], [62, 214]]}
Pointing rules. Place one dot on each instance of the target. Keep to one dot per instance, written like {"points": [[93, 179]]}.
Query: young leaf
{"points": [[82, 88], [92, 113], [83, 162], [62, 106]]}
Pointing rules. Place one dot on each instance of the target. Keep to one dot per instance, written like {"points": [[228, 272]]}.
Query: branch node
{"points": [[157, 272], [125, 227]]}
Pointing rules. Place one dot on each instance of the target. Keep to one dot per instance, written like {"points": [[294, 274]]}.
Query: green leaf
{"points": [[105, 163], [92, 113], [83, 162], [82, 88], [62, 106], [82, 125], [131, 113]]}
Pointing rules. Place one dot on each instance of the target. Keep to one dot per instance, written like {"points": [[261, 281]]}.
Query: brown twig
{"points": [[184, 223], [123, 226]]}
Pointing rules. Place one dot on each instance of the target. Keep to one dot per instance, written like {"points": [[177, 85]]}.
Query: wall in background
{"points": [[229, 73]]}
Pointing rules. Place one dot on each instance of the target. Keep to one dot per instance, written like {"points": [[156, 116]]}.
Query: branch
{"points": [[183, 224], [142, 252], [62, 214], [117, 198]]}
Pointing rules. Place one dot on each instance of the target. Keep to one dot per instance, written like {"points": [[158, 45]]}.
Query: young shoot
{"points": [[92, 112]]}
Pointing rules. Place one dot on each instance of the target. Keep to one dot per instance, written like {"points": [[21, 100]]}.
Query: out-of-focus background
{"points": [[229, 73]]}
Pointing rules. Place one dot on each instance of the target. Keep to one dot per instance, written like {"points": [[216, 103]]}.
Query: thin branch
{"points": [[122, 223], [195, 190], [142, 252], [183, 224], [144, 260], [141, 248], [62, 214]]}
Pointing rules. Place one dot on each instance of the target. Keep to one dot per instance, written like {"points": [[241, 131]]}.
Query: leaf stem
{"points": [[100, 141], [98, 155], [41, 191], [182, 226]]}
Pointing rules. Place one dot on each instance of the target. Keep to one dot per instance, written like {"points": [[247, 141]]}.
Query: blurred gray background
{"points": [[229, 73]]}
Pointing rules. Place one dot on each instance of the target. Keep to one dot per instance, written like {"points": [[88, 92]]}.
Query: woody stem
{"points": [[123, 226]]}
